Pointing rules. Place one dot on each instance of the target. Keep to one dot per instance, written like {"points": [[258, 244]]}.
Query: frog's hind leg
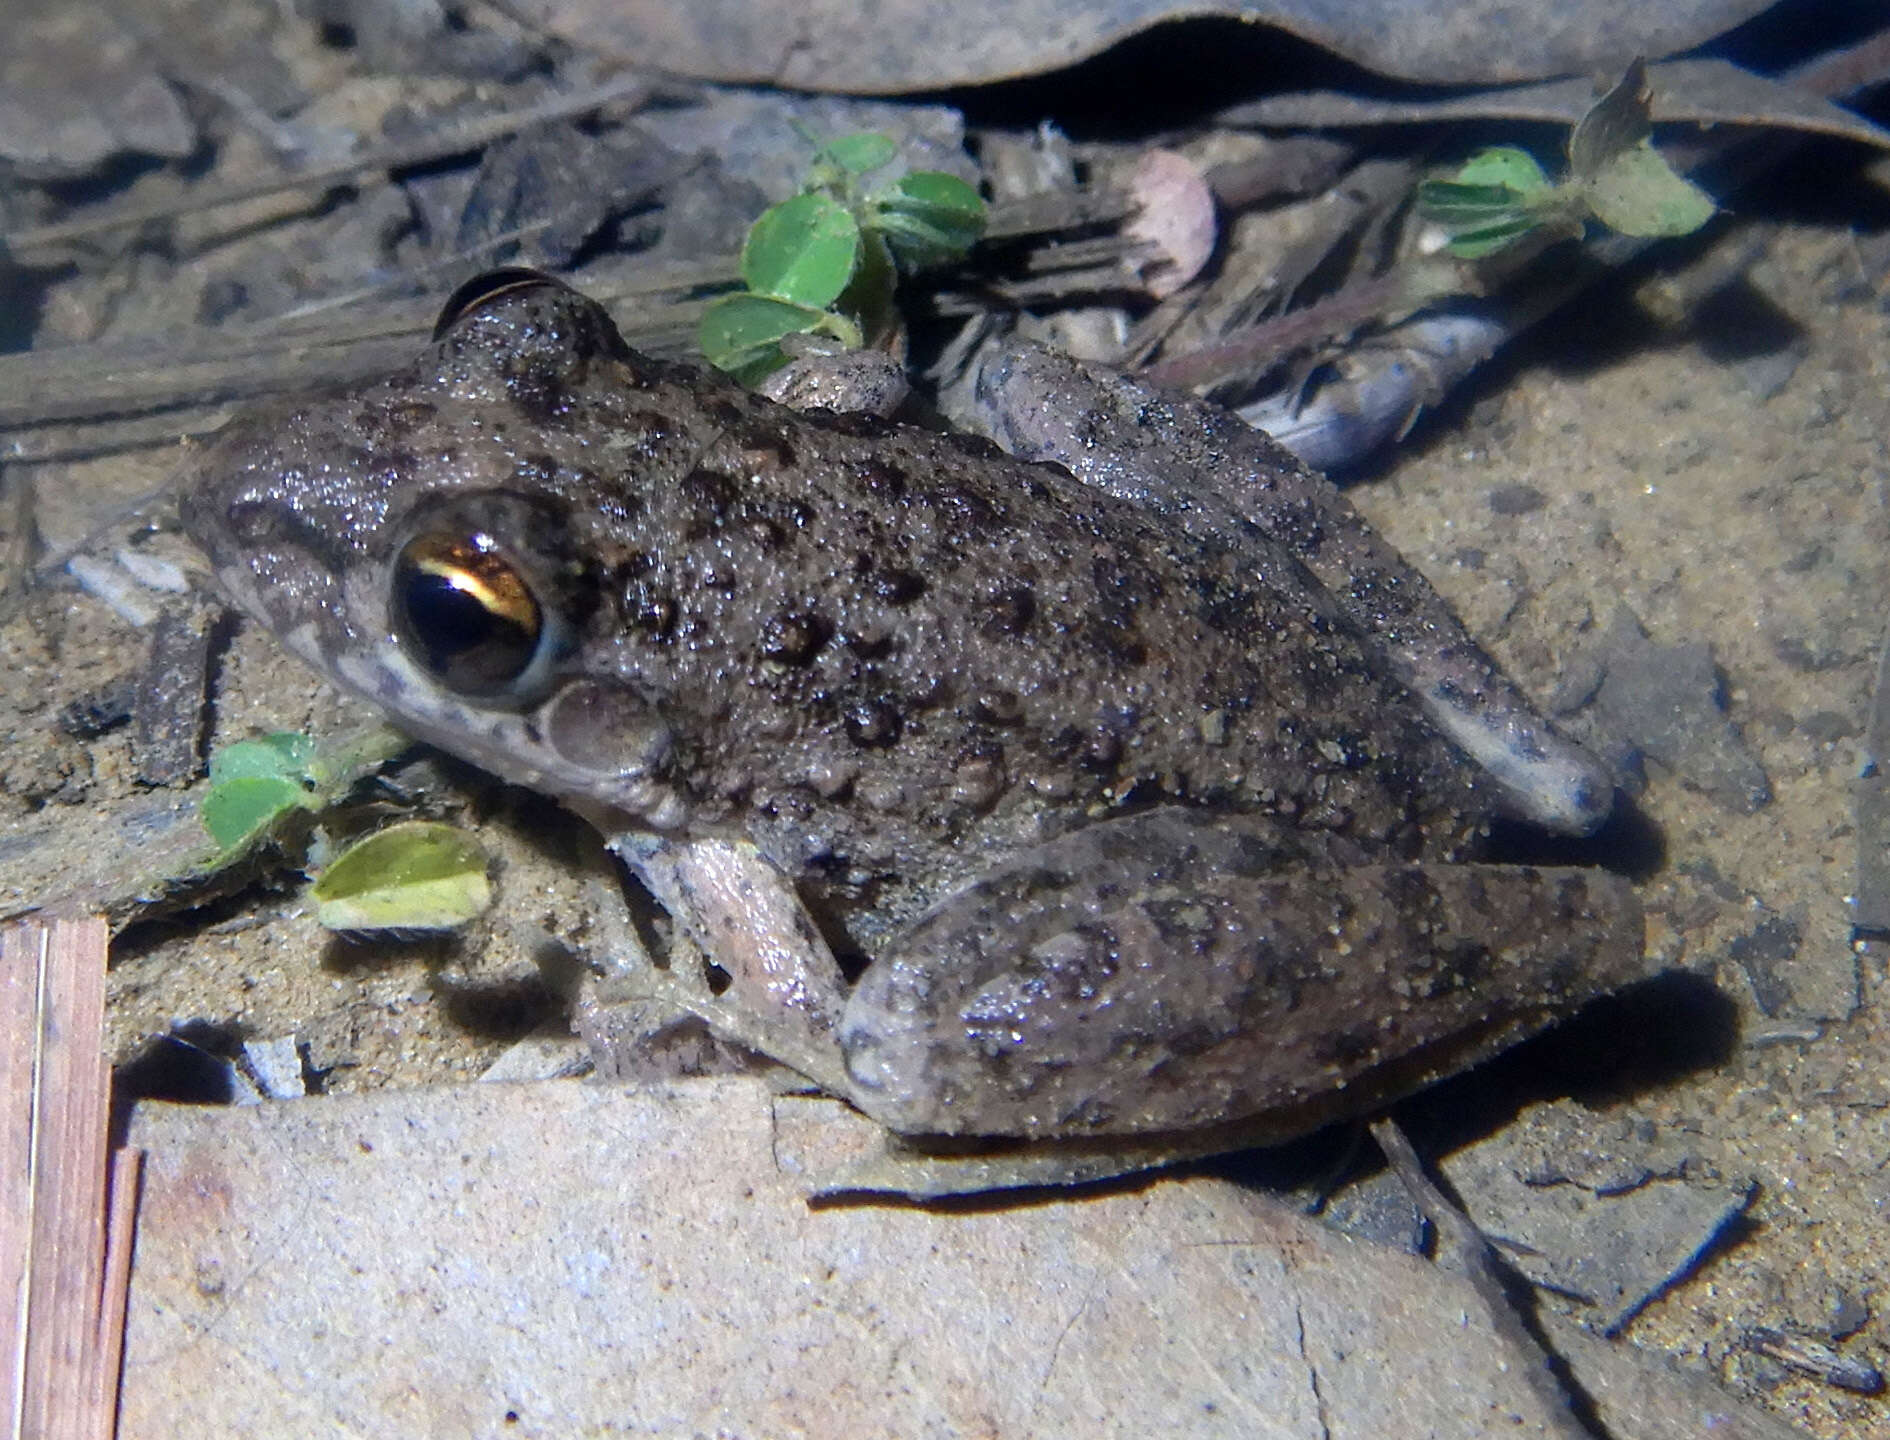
{"points": [[1172, 971]]}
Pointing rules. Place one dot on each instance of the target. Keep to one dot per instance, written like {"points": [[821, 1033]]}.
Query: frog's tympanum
{"points": [[1011, 803]]}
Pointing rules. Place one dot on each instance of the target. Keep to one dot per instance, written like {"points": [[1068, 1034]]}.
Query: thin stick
{"points": [[121, 1230], [1463, 1248], [19, 1024]]}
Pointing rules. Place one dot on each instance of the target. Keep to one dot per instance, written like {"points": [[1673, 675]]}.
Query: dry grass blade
{"points": [[63, 1323]]}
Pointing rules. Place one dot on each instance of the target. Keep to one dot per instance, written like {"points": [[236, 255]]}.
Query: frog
{"points": [[1066, 803]]}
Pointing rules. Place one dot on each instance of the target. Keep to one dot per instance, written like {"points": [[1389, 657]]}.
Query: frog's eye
{"points": [[469, 618], [485, 289]]}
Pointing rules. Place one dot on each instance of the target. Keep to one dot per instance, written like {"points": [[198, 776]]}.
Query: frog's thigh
{"points": [[1170, 970]]}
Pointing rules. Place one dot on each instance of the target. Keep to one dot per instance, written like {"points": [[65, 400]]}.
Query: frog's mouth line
{"points": [[506, 743]]}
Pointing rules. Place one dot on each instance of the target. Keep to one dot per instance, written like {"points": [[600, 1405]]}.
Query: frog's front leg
{"points": [[785, 990], [1173, 970]]}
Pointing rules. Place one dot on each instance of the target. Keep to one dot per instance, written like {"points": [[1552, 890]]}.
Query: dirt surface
{"points": [[1757, 525], [1690, 474]]}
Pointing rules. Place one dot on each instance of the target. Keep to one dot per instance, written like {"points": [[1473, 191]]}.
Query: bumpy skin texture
{"points": [[896, 662], [886, 655]]}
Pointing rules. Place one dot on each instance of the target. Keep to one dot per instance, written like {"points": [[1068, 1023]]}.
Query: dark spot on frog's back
{"points": [[980, 447], [394, 419], [880, 481], [856, 423], [647, 603], [873, 723], [794, 639], [967, 513], [541, 395], [1010, 610], [1464, 967], [710, 494], [765, 447], [898, 587], [535, 472], [1225, 606], [1346, 1049], [1123, 583], [1115, 639]]}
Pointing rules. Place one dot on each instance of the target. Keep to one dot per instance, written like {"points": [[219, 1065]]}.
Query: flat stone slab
{"points": [[558, 1259]]}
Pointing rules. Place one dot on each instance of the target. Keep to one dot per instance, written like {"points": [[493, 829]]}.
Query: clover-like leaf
{"points": [[741, 334], [418, 875], [1481, 240], [283, 753], [1505, 165], [859, 154], [238, 809], [1638, 193], [928, 218], [802, 251]]}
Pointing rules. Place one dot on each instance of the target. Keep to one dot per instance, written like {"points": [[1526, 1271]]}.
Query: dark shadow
{"points": [[1739, 323], [356, 953], [1629, 844], [1175, 75], [1795, 30], [508, 1009], [1623, 1045], [989, 1202], [1616, 1048], [191, 1067]]}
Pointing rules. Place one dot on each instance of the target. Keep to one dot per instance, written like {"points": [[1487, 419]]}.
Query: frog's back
{"points": [[885, 654]]}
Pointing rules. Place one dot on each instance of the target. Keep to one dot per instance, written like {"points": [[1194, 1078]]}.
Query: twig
{"points": [[1463, 1248]]}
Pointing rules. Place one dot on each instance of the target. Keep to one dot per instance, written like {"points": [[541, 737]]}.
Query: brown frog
{"points": [[1119, 820]]}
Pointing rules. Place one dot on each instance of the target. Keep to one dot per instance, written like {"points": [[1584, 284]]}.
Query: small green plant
{"points": [[418, 875], [254, 784], [826, 260], [1614, 175]]}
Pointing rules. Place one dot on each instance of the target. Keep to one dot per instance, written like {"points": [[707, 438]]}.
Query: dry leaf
{"points": [[1705, 92], [1176, 217], [904, 45]]}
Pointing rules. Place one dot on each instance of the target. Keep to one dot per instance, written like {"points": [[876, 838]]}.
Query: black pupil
{"points": [[466, 644]]}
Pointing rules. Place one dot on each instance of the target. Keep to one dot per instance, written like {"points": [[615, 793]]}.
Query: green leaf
{"points": [[1504, 165], [1451, 203], [282, 753], [741, 334], [1638, 193], [237, 809], [868, 307], [802, 251], [1481, 240], [342, 759], [928, 218], [859, 154], [420, 875]]}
